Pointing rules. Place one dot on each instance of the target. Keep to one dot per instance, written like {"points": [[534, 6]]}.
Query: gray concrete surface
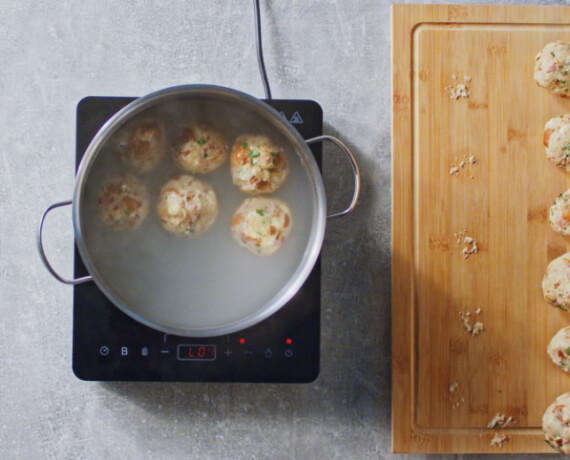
{"points": [[53, 53]]}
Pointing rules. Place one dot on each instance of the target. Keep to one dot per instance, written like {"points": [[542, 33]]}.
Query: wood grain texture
{"points": [[501, 201]]}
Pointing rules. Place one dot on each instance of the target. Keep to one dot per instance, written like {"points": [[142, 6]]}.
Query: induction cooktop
{"points": [[110, 346]]}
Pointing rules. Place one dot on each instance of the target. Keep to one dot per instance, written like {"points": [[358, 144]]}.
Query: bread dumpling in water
{"points": [[258, 165], [187, 206], [261, 224], [123, 202], [199, 148], [142, 144]]}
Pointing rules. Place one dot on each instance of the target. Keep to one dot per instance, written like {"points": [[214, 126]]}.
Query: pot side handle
{"points": [[353, 164], [42, 251]]}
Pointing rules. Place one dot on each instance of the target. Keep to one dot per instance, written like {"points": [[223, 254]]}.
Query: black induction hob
{"points": [[109, 345]]}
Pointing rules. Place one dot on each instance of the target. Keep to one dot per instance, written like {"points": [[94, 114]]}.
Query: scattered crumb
{"points": [[461, 163], [499, 440], [500, 421], [459, 90], [458, 403], [496, 421], [474, 328], [470, 247], [477, 328], [467, 251], [453, 396]]}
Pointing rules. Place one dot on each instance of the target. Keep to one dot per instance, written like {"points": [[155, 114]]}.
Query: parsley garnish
{"points": [[273, 154], [564, 72], [201, 141], [552, 52], [562, 82], [260, 212], [244, 145], [252, 154], [566, 147], [567, 351]]}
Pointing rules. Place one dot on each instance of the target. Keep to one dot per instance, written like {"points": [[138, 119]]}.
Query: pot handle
{"points": [[353, 164], [42, 251]]}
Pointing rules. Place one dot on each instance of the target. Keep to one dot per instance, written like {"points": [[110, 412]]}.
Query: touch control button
{"points": [[288, 353], [268, 353], [104, 350]]}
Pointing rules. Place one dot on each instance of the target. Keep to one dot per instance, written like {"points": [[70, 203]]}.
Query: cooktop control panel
{"points": [[109, 345]]}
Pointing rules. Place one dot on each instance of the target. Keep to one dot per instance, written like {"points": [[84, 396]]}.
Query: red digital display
{"points": [[197, 352]]}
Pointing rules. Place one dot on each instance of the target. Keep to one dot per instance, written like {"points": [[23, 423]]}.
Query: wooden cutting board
{"points": [[501, 201]]}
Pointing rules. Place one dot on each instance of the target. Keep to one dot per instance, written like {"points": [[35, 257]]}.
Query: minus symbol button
{"points": [[165, 352]]}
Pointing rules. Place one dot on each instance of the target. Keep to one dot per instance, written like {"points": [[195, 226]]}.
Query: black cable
{"points": [[260, 50]]}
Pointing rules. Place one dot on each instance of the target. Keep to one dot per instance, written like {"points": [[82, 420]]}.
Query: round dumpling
{"points": [[261, 224], [552, 67], [187, 206], [258, 165], [556, 140], [200, 148], [556, 282], [559, 214], [556, 424], [559, 349], [123, 202], [142, 144]]}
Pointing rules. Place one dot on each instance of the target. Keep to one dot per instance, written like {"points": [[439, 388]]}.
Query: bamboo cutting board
{"points": [[501, 201]]}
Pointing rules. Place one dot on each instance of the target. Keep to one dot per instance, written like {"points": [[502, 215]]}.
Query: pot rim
{"points": [[318, 224]]}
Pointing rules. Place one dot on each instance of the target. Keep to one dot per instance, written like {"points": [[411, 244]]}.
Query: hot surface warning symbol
{"points": [[296, 119]]}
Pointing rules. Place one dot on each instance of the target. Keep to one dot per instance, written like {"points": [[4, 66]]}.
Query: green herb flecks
{"points": [[564, 72], [566, 147], [260, 212], [562, 82], [251, 154], [201, 141], [553, 55], [273, 154], [567, 351], [244, 145]]}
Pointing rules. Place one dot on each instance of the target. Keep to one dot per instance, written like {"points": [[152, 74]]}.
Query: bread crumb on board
{"points": [[500, 421], [457, 166], [473, 327], [459, 90], [499, 440], [497, 422], [454, 397], [470, 245]]}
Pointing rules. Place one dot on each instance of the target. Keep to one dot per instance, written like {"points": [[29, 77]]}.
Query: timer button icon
{"points": [[104, 350], [288, 353], [268, 353]]}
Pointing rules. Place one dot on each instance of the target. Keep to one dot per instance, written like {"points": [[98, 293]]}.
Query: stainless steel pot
{"points": [[208, 285]]}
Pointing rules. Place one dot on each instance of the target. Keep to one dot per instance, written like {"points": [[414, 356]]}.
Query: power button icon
{"points": [[104, 350]]}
